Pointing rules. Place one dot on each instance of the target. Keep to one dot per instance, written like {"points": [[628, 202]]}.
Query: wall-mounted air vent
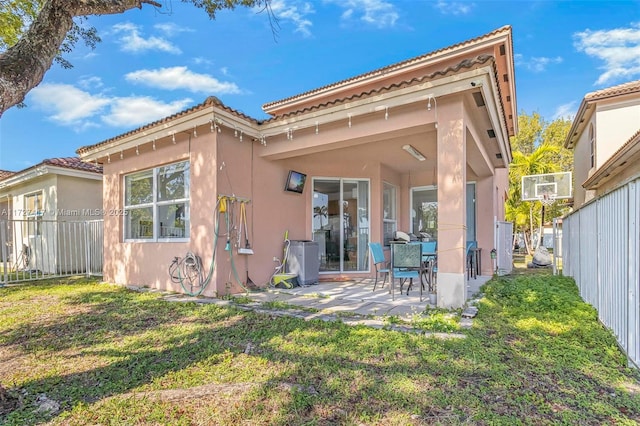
{"points": [[491, 133], [499, 156]]}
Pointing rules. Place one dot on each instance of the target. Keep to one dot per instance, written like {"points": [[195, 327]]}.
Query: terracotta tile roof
{"points": [[467, 63], [5, 174], [387, 68], [210, 101], [73, 163], [621, 89]]}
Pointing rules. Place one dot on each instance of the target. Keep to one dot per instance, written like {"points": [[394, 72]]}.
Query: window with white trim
{"points": [[33, 214], [389, 217], [156, 203]]}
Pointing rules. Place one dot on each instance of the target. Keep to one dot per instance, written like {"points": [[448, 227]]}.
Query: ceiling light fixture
{"points": [[414, 152]]}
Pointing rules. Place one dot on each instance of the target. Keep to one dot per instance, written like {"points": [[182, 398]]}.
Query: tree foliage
{"points": [[537, 148], [34, 33]]}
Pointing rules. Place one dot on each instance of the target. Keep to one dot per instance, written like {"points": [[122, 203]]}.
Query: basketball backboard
{"points": [[546, 186]]}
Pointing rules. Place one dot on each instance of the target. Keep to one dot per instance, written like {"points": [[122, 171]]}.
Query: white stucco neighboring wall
{"points": [[616, 122]]}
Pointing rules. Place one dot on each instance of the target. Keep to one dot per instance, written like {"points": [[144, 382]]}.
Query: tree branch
{"points": [[22, 66]]}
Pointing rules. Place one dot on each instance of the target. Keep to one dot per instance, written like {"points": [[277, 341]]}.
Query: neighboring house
{"points": [[34, 202], [602, 136], [601, 236], [419, 146]]}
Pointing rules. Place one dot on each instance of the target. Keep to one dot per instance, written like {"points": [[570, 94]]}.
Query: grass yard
{"points": [[78, 352]]}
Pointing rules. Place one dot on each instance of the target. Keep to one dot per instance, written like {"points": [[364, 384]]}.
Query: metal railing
{"points": [[32, 249], [601, 248]]}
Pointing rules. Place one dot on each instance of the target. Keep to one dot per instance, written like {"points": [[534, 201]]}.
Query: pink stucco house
{"points": [[419, 146]]}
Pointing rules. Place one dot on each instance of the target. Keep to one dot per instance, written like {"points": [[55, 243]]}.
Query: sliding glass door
{"points": [[340, 220], [424, 212]]}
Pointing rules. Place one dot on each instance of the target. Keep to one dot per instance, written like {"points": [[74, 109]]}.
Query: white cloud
{"points": [[138, 110], [453, 7], [297, 15], [66, 104], [618, 49], [536, 63], [91, 82], [567, 111], [378, 13], [181, 78], [200, 60], [171, 29], [69, 106], [132, 41]]}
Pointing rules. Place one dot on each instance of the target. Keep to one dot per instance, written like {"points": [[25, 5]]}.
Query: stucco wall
{"points": [[582, 164], [233, 169], [616, 122], [79, 198]]}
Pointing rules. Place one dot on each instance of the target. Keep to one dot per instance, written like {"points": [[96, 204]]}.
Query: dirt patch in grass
{"points": [[8, 402]]}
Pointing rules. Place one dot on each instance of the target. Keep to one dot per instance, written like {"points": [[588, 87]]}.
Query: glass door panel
{"points": [[340, 220], [424, 212]]}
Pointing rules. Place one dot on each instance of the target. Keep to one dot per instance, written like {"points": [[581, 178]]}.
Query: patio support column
{"points": [[452, 221]]}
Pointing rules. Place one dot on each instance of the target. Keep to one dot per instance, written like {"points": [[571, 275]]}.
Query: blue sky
{"points": [[154, 62]]}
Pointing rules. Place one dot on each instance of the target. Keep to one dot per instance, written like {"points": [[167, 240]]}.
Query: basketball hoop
{"points": [[548, 199]]}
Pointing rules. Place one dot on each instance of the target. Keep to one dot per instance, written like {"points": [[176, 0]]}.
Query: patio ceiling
{"points": [[340, 143]]}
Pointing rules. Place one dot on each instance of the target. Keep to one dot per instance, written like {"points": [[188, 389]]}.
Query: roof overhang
{"points": [[484, 64], [46, 169], [498, 42], [479, 79], [629, 153]]}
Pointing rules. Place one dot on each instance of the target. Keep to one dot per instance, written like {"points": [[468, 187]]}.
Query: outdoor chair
{"points": [[379, 262], [407, 264], [471, 258], [429, 258]]}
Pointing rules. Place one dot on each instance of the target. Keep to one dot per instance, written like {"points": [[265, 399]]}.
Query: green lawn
{"points": [[535, 355]]}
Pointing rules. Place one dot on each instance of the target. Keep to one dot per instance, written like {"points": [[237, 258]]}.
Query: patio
{"points": [[356, 297]]}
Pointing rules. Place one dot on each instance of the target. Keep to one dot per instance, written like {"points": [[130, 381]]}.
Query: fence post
{"points": [[87, 242], [3, 241]]}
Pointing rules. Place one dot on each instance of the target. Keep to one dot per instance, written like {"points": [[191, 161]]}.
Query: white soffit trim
{"points": [[47, 169]]}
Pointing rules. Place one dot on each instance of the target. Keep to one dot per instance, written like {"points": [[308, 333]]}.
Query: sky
{"points": [[153, 62]]}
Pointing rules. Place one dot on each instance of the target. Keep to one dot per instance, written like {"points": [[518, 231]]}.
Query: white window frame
{"points": [[33, 216], [155, 205], [393, 209]]}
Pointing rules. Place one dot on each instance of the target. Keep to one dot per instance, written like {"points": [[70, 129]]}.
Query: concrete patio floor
{"points": [[356, 297]]}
